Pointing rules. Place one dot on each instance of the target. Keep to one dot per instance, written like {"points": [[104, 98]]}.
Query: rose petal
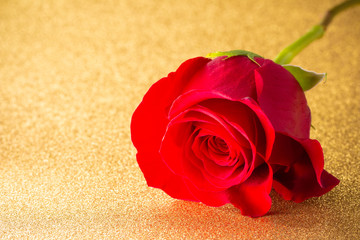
{"points": [[177, 154], [158, 175], [221, 128], [238, 173], [282, 99], [209, 167], [266, 124], [156, 104], [147, 135], [236, 114], [222, 172], [251, 197], [233, 77], [172, 146], [201, 149], [299, 169]]}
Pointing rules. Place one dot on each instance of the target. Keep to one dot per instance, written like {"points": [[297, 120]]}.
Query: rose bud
{"points": [[227, 130]]}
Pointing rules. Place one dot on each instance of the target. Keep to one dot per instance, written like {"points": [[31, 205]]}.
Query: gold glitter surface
{"points": [[72, 73]]}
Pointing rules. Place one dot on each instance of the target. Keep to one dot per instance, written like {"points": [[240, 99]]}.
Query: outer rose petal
{"points": [[255, 200], [158, 175], [149, 121], [298, 169], [233, 77], [282, 99], [251, 197], [148, 125]]}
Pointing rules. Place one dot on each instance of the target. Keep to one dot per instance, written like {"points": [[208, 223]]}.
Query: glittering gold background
{"points": [[72, 73]]}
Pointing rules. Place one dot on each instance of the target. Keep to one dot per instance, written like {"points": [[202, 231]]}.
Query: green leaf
{"points": [[307, 79], [234, 53]]}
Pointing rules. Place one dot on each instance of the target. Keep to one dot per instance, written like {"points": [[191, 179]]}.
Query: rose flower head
{"points": [[228, 129]]}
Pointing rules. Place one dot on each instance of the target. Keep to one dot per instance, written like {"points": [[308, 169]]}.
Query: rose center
{"points": [[218, 151], [218, 145]]}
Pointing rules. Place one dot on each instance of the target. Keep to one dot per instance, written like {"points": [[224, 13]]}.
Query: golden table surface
{"points": [[72, 73]]}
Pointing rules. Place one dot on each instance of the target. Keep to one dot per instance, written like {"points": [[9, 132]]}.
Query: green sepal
{"points": [[307, 79], [234, 53]]}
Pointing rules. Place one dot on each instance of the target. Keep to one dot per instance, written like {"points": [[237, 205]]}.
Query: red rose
{"points": [[226, 131]]}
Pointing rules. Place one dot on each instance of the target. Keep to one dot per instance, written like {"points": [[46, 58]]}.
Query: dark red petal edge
{"points": [[282, 99], [298, 169]]}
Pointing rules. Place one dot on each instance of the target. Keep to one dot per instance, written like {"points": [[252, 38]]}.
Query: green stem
{"points": [[316, 32]]}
